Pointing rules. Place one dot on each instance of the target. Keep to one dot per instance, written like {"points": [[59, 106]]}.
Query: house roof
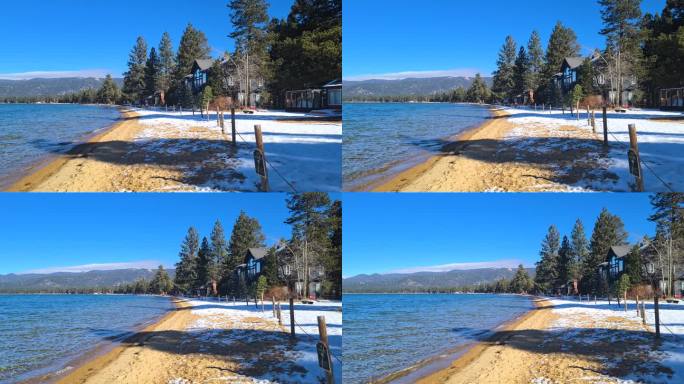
{"points": [[621, 250], [574, 61], [334, 83], [257, 253], [204, 64]]}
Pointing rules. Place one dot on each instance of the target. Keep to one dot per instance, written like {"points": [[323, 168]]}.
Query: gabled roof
{"points": [[204, 64], [257, 253], [574, 61], [620, 250]]}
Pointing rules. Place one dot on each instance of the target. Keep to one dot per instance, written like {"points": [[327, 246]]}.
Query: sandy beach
{"points": [[563, 341], [155, 151], [210, 342]]}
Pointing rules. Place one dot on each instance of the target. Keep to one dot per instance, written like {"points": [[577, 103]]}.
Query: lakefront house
{"points": [[253, 266], [233, 81], [328, 96]]}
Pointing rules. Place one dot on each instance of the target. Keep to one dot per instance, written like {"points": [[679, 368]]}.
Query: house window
{"points": [[258, 268], [335, 97]]}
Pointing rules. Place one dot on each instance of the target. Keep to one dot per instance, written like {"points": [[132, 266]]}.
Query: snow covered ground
{"points": [[252, 329], [594, 323], [306, 153], [660, 138]]}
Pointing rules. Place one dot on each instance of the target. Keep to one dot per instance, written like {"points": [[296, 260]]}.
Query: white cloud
{"points": [[148, 264], [460, 266], [458, 72], [54, 74]]}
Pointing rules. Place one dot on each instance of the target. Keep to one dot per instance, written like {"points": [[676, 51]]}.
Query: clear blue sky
{"points": [[390, 36], [97, 35], [390, 232], [40, 231]]}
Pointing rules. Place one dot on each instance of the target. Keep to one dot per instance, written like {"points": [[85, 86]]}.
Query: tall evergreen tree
{"points": [[522, 73], [204, 264], [668, 215], [246, 234], [109, 92], [503, 82], [546, 275], [152, 73], [478, 91], [621, 20], [219, 253], [536, 59], [134, 79], [565, 262], [521, 282], [161, 284], [580, 249], [193, 46], [609, 230], [167, 61], [562, 44], [186, 268]]}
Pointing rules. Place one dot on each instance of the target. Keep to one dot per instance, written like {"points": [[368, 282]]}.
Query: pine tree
{"points": [[134, 79], [522, 73], [109, 92], [246, 234], [546, 275], [161, 283], [204, 264], [668, 216], [521, 282], [562, 44], [535, 53], [152, 73], [503, 82], [219, 254], [186, 268], [608, 231], [193, 46], [478, 91], [565, 261], [333, 263], [580, 249], [167, 61], [621, 19]]}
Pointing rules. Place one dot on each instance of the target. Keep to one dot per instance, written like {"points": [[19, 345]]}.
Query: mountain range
{"points": [[59, 281], [50, 87], [405, 87], [419, 281]]}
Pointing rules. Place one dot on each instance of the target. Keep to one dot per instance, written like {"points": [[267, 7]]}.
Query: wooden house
{"points": [[672, 99], [615, 265], [233, 81], [251, 269], [328, 96]]}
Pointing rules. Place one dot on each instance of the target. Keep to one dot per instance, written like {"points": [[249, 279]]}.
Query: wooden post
{"points": [[634, 146], [588, 116], [637, 305], [593, 121], [657, 315], [595, 300], [218, 120], [260, 147], [232, 122], [625, 293], [577, 110], [605, 126], [262, 302], [223, 124], [273, 306], [280, 316], [323, 337], [643, 311], [292, 318], [180, 110]]}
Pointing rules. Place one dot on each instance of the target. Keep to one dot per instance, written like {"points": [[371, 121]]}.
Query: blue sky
{"points": [[386, 37], [409, 232], [39, 231], [95, 37]]}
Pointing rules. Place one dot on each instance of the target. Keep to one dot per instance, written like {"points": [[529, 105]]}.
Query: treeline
{"points": [[478, 92], [646, 49], [577, 258], [209, 265], [108, 93]]}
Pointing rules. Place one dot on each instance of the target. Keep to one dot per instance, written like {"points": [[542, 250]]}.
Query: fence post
{"points": [[625, 293], [657, 315], [232, 122], [593, 121], [280, 316], [273, 305], [643, 311], [223, 124], [260, 147], [323, 337], [292, 318], [634, 146], [637, 305], [605, 126]]}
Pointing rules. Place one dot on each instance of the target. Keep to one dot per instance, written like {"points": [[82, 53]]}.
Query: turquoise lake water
{"points": [[384, 334], [41, 334], [380, 140], [31, 133]]}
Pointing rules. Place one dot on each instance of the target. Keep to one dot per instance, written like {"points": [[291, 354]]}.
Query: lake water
{"points": [[383, 139], [30, 133], [41, 334], [384, 334]]}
